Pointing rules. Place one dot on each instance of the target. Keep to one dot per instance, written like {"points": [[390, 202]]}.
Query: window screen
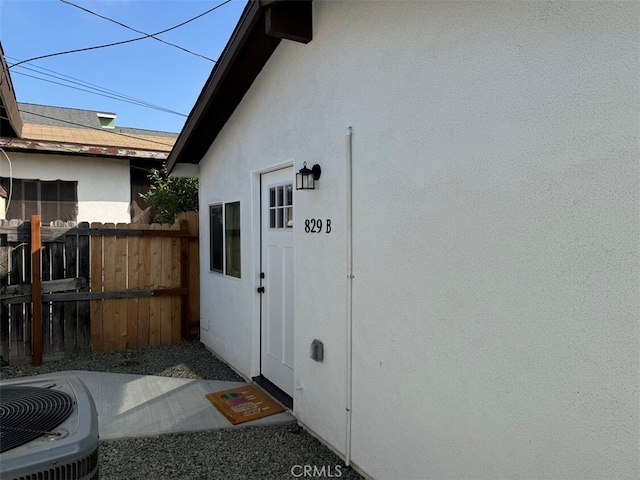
{"points": [[51, 199]]}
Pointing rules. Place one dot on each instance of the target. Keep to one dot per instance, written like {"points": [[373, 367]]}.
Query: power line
{"points": [[137, 31], [121, 42], [141, 104], [93, 86]]}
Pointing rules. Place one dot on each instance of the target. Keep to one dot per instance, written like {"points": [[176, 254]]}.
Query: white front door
{"points": [[277, 267]]}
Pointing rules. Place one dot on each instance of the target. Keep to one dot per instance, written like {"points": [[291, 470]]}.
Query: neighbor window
{"points": [[225, 238], [52, 200]]}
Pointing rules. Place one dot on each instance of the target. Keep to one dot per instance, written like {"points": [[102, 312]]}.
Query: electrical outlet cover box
{"points": [[317, 350]]}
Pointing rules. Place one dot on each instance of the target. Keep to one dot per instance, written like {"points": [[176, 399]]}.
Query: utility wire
{"points": [[141, 104], [92, 86], [137, 31], [121, 42], [93, 128]]}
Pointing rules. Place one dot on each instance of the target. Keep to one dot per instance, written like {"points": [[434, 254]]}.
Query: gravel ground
{"points": [[266, 452]]}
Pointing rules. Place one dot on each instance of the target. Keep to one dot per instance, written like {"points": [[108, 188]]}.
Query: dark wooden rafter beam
{"points": [[262, 26], [290, 19]]}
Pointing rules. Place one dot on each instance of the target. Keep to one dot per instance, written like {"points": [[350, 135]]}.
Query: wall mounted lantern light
{"points": [[306, 179]]}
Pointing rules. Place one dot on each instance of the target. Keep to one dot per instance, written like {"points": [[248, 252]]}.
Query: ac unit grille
{"points": [[27, 413], [85, 469]]}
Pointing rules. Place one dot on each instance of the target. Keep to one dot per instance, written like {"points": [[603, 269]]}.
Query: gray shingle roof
{"points": [[75, 118]]}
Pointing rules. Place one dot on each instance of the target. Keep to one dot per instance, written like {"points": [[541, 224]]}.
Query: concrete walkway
{"points": [[141, 405]]}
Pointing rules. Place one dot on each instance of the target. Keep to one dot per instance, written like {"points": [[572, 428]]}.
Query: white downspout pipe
{"points": [[347, 454]]}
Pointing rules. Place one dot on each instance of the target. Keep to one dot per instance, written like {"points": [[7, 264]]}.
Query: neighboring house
{"points": [[72, 164], [469, 258]]}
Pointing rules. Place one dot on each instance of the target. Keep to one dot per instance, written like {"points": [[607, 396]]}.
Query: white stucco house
{"points": [[73, 164], [468, 261]]}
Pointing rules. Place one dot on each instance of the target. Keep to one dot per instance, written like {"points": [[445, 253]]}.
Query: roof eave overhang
{"points": [[41, 146], [262, 25], [10, 121]]}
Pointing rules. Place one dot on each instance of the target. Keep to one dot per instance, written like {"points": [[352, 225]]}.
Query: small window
{"points": [[224, 222], [281, 206], [52, 200]]}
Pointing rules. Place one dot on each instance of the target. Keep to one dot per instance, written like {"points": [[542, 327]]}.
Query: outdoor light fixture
{"points": [[306, 179]]}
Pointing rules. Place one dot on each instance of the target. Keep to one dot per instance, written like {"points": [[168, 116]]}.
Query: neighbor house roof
{"points": [[71, 125], [51, 129], [262, 25]]}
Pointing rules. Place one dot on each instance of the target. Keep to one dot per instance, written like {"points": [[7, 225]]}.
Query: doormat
{"points": [[243, 404]]}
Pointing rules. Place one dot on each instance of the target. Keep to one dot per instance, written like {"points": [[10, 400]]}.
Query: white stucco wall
{"points": [[104, 185], [496, 226]]}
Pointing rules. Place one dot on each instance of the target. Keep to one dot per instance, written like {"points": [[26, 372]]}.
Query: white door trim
{"points": [[257, 256]]}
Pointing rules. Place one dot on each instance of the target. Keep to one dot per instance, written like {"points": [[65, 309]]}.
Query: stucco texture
{"points": [[104, 186], [495, 234]]}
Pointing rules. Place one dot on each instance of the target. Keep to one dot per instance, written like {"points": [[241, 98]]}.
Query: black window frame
{"points": [[225, 255]]}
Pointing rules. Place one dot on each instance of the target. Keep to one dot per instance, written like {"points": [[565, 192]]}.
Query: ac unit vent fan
{"points": [[48, 430]]}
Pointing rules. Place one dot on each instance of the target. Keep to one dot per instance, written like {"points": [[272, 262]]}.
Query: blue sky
{"points": [[146, 70]]}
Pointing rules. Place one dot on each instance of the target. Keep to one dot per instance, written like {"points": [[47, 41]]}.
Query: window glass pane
{"points": [[272, 197], [289, 195], [215, 215], [280, 196], [272, 218], [289, 217], [30, 199], [232, 238], [49, 202], [67, 200], [280, 218]]}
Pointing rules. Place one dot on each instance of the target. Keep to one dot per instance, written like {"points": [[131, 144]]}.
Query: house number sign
{"points": [[314, 225]]}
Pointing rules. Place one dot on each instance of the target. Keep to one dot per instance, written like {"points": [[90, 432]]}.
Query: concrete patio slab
{"points": [[142, 405]]}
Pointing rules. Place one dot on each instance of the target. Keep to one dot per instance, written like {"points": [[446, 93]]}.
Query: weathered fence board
{"points": [[105, 287], [146, 265]]}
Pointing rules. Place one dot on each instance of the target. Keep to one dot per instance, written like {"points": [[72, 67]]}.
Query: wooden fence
{"points": [[101, 287]]}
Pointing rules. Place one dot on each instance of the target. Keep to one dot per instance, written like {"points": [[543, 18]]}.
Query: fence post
{"points": [[36, 290], [184, 279]]}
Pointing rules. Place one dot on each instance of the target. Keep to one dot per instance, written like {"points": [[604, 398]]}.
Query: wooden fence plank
{"points": [[177, 303], [120, 308], [96, 283], [57, 308], [16, 312], [133, 273], [28, 318], [71, 308], [36, 290], [84, 272], [155, 305], [46, 307], [144, 281], [109, 325], [165, 317]]}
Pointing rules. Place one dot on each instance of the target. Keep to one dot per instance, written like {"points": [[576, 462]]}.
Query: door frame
{"points": [[256, 222]]}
